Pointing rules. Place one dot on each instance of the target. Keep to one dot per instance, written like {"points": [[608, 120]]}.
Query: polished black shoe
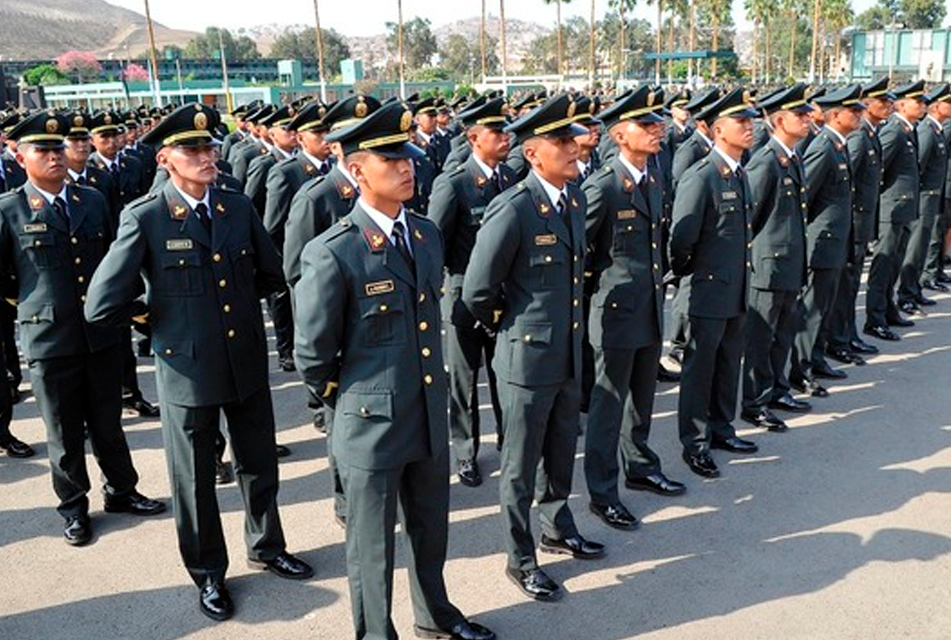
{"points": [[143, 407], [923, 301], [860, 346], [765, 419], [881, 332], [656, 483], [78, 530], [823, 370], [812, 387], [215, 601], [666, 375], [464, 630], [943, 278], [16, 448], [933, 285], [15, 395], [320, 423], [702, 464], [845, 356], [281, 451], [536, 584], [899, 322], [574, 546], [286, 364], [677, 355], [224, 472], [734, 445], [134, 503], [614, 515], [910, 308], [469, 473], [143, 348], [284, 565], [787, 403]]}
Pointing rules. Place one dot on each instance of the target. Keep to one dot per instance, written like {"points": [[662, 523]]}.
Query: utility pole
{"points": [[320, 53], [156, 84], [224, 71]]}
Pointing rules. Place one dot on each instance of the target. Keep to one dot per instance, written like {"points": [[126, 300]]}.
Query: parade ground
{"points": [[838, 529]]}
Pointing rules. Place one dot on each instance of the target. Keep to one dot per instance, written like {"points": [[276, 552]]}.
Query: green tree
{"points": [[208, 45], [419, 43], [560, 35], [923, 14], [44, 74], [302, 45], [462, 58], [837, 14]]}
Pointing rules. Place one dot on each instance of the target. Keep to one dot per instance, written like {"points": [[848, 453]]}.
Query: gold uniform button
{"points": [[547, 258], [34, 319], [37, 243], [364, 412], [422, 297], [748, 265], [575, 325], [653, 245], [230, 333], [169, 352], [216, 257], [428, 379], [630, 227], [74, 240], [222, 283], [575, 302], [749, 245], [426, 352], [384, 308], [244, 252], [83, 298], [80, 279], [656, 266], [576, 258], [227, 308], [527, 337], [181, 262], [614, 305], [423, 326]]}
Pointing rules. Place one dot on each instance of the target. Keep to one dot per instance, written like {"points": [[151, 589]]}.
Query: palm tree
{"points": [[754, 13], [676, 9], [693, 37], [815, 41], [591, 69], [839, 15], [558, 3], [715, 8], [482, 39], [320, 52], [791, 7], [399, 8], [623, 6], [502, 41]]}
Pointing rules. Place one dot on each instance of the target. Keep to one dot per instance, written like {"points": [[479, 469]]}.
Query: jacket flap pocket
{"points": [[365, 404], [531, 333], [175, 348]]}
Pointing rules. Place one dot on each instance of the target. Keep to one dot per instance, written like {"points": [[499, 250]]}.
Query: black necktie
{"points": [[400, 241], [81, 180], [497, 181], [202, 212], [642, 187], [59, 206]]}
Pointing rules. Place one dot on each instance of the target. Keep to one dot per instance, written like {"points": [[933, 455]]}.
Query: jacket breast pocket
{"points": [[367, 405], [242, 258], [384, 319], [627, 233], [476, 214], [730, 218], [547, 267], [182, 274], [41, 249], [531, 346]]}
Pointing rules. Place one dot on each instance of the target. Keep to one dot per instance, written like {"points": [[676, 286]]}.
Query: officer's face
{"points": [[107, 144], [284, 138], [43, 166], [639, 138], [427, 122], [846, 120], [679, 115], [590, 139], [735, 132], [383, 179], [442, 119], [190, 164], [313, 142], [942, 110], [878, 108], [490, 144], [555, 159], [77, 151], [795, 125], [912, 109]]}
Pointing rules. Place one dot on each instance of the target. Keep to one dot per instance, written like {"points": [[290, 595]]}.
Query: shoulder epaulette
{"points": [[344, 225], [457, 170], [148, 197]]}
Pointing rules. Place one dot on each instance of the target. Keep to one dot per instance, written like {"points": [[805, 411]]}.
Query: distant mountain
{"points": [[43, 29]]}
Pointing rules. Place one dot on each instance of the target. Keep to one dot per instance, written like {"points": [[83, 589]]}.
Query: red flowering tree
{"points": [[81, 63], [135, 73]]}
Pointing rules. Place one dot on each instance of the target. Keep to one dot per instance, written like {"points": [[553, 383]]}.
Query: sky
{"points": [[373, 14]]}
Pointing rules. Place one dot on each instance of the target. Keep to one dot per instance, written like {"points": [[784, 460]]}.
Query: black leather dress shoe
{"points": [[656, 483], [215, 601], [281, 451], [143, 407], [574, 546], [860, 346], [16, 448], [943, 278], [734, 445], [134, 503], [845, 356], [15, 395], [933, 285], [284, 565], [468, 472], [899, 322], [464, 630], [143, 348], [702, 464], [78, 530], [614, 515], [286, 364], [666, 375], [320, 423], [787, 403], [823, 370], [910, 308], [881, 332], [765, 419], [536, 584], [923, 301], [812, 387], [224, 472]]}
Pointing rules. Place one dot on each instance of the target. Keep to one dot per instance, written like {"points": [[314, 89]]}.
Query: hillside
{"points": [[38, 29]]}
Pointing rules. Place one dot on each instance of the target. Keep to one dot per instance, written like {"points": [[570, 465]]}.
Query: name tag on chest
{"points": [[627, 214], [787, 180], [39, 227], [546, 240], [728, 195], [180, 244], [378, 288]]}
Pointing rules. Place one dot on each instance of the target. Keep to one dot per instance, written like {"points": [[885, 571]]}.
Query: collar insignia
{"points": [[220, 208], [376, 239], [36, 202], [180, 212], [480, 181]]}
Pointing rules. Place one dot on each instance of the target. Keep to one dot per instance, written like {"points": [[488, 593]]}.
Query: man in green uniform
{"points": [[777, 184], [52, 237], [710, 241], [457, 206], [368, 343], [208, 263], [524, 282], [626, 247]]}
